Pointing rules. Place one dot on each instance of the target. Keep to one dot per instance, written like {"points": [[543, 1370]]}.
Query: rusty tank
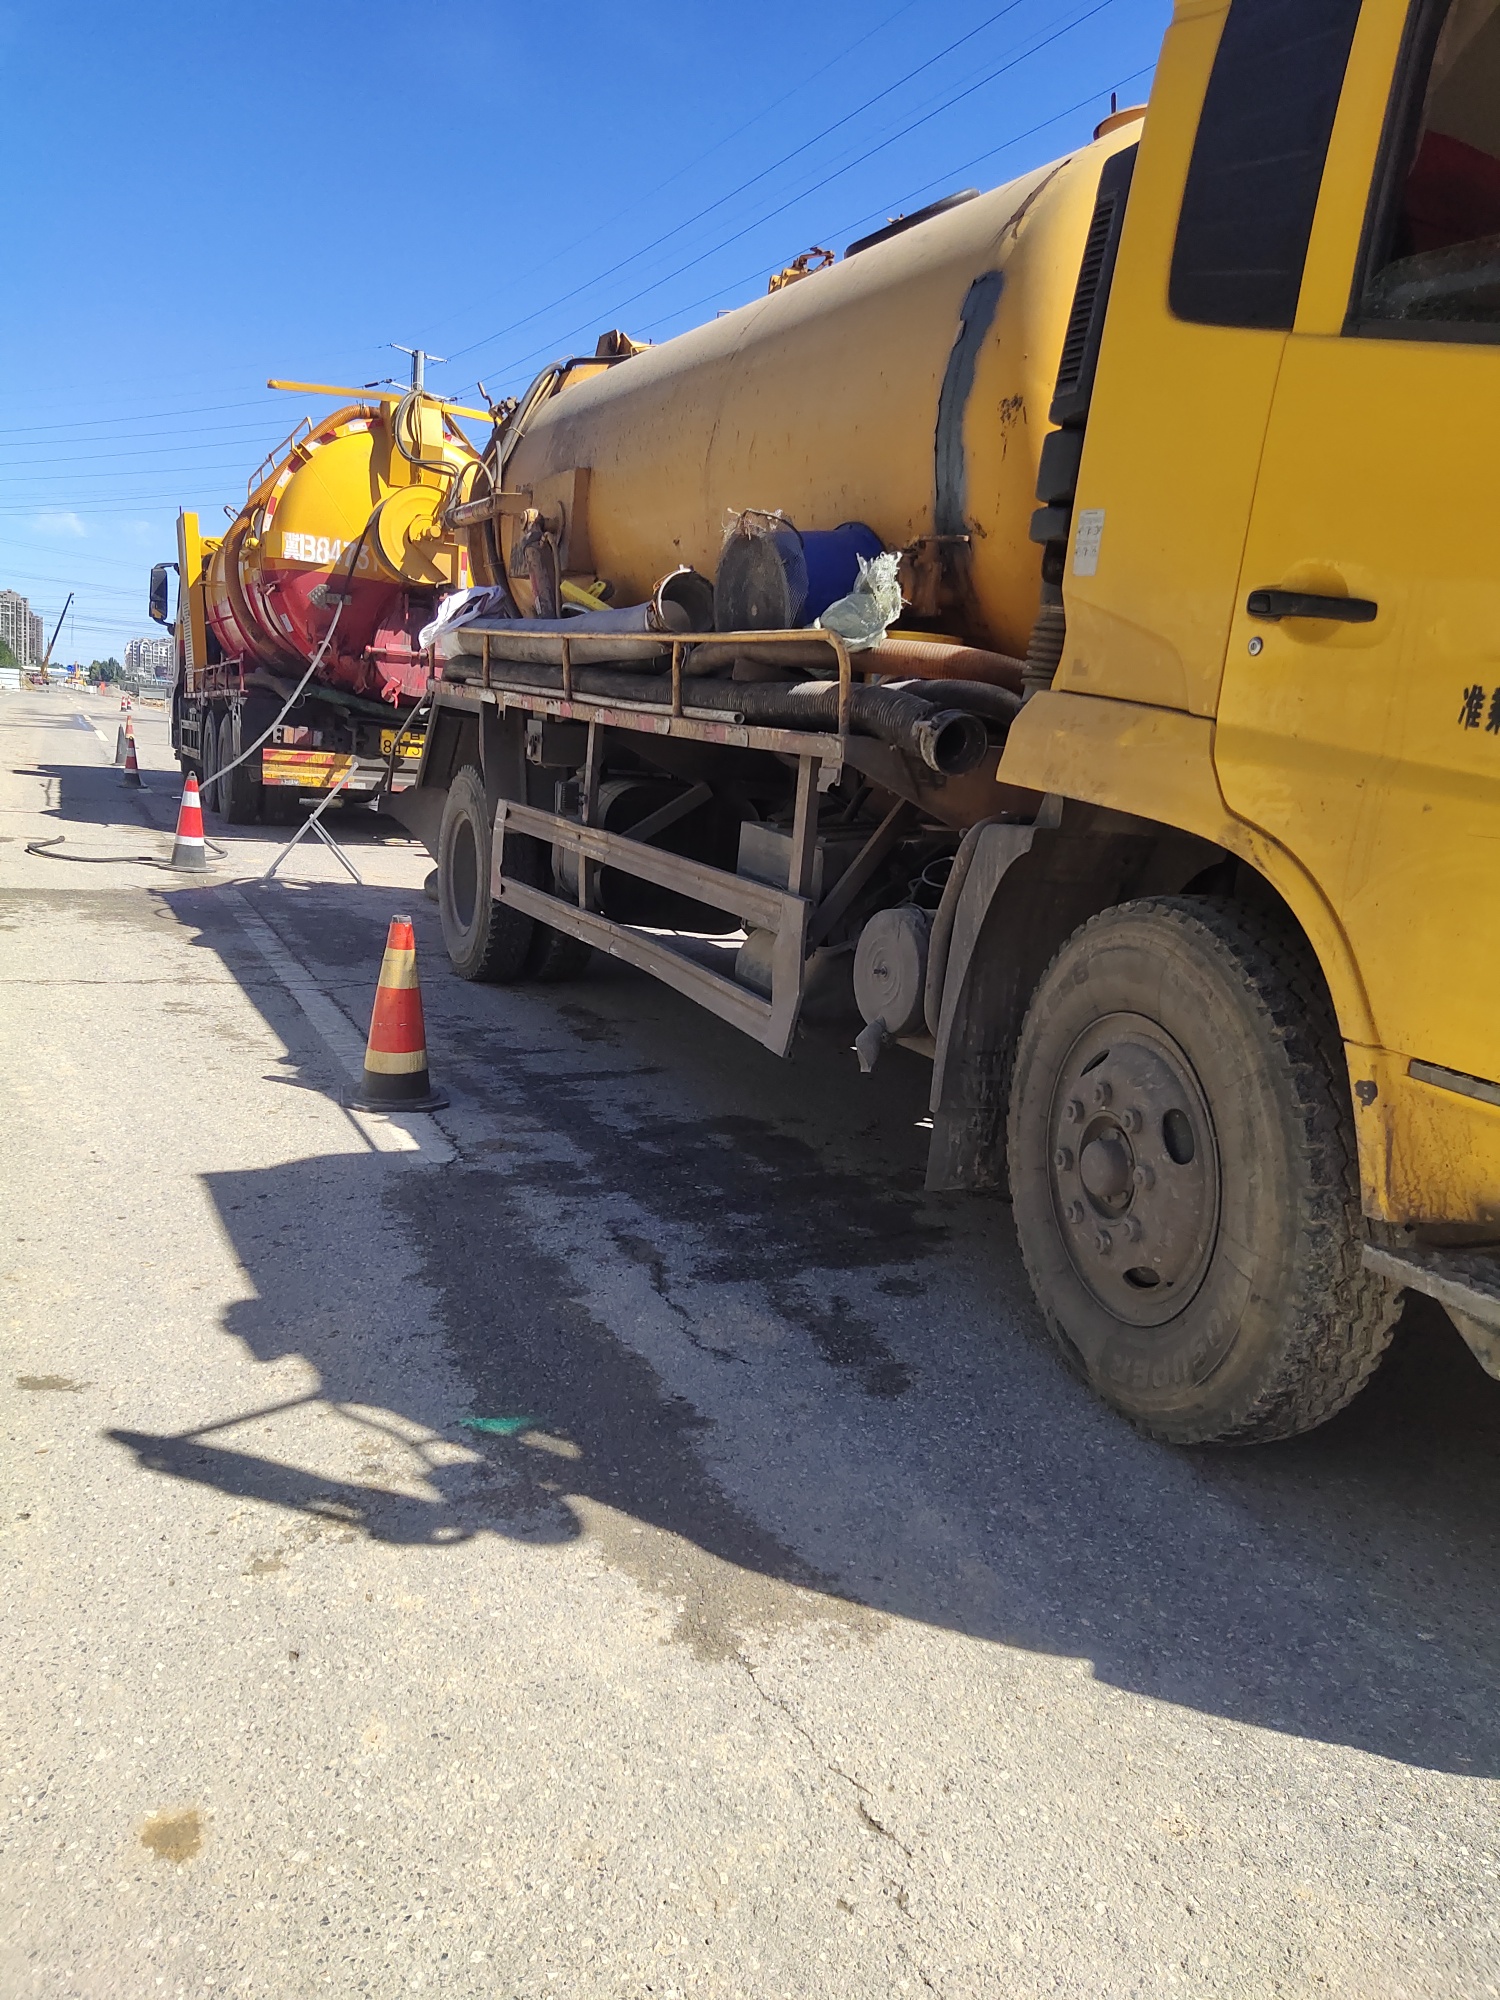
{"points": [[906, 386]]}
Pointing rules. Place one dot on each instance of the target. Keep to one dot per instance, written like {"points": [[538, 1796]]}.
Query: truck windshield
{"points": [[1443, 260]]}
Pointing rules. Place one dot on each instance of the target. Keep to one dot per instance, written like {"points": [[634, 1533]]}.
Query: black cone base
{"points": [[413, 1092]]}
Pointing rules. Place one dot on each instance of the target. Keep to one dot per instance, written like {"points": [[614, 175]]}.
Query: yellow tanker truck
{"points": [[302, 619], [1162, 809]]}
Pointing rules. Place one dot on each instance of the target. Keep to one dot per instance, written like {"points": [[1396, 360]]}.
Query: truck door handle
{"points": [[1274, 604]]}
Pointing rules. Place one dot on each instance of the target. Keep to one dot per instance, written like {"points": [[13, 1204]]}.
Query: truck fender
{"points": [[502, 753], [452, 739], [1025, 891]]}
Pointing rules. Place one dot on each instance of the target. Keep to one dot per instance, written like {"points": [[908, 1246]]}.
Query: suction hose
{"points": [[996, 705], [948, 740]]}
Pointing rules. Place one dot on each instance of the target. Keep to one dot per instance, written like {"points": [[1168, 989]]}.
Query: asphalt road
{"points": [[798, 1628]]}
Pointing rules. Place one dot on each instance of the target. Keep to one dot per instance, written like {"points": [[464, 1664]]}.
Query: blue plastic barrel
{"points": [[770, 577], [832, 558]]}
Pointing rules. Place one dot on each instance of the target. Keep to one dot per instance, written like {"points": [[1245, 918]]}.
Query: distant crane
{"points": [[46, 657]]}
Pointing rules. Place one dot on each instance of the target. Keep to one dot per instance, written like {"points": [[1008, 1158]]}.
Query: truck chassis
{"points": [[325, 741]]}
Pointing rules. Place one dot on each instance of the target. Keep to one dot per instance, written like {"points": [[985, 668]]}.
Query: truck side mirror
{"points": [[158, 601]]}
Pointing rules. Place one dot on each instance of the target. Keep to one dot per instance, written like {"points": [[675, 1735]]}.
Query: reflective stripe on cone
{"points": [[396, 1077], [189, 849], [131, 775]]}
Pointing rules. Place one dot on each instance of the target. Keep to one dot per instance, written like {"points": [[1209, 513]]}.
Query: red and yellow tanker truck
{"points": [[321, 582]]}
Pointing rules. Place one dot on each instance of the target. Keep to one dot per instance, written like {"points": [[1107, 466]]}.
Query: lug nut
{"points": [[1103, 1242], [1144, 1177], [1131, 1119], [1133, 1229], [1062, 1159], [1102, 1094], [1073, 1111], [1074, 1211]]}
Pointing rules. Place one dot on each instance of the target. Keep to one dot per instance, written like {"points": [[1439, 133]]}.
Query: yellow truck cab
{"points": [[1282, 578]]}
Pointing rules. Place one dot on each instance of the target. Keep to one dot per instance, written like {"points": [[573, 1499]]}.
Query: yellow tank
{"points": [[347, 510], [906, 386]]}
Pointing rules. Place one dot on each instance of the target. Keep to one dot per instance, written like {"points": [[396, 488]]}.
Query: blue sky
{"points": [[201, 197]]}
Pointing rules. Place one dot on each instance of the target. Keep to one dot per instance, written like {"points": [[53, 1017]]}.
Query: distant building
{"points": [[148, 657], [21, 628]]}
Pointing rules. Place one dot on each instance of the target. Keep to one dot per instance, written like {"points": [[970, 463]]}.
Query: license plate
{"points": [[411, 746]]}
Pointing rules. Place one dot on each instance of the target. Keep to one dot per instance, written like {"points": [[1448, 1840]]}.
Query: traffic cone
{"points": [[188, 849], [395, 1077], [120, 746], [130, 777]]}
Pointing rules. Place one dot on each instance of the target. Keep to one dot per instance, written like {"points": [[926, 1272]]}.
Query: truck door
{"points": [[1359, 714]]}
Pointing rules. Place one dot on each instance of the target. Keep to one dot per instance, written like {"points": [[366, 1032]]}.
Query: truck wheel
{"points": [[486, 940], [208, 736], [1182, 1167], [280, 805], [555, 956], [239, 791]]}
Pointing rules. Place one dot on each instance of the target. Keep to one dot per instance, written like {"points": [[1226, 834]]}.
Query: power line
{"points": [[837, 174], [94, 561], [141, 417], [91, 591], [775, 166], [575, 242], [30, 576], [147, 471], [205, 441], [938, 180], [123, 506]]}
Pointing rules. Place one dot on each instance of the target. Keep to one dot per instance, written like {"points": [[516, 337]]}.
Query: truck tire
{"points": [[280, 805], [239, 791], [208, 737], [556, 957], [486, 940], [1182, 1167]]}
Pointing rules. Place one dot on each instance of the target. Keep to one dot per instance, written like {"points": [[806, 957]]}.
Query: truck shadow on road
{"points": [[96, 796], [886, 1450]]}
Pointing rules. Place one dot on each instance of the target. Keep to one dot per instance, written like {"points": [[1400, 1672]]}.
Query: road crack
{"points": [[651, 1260], [835, 1770]]}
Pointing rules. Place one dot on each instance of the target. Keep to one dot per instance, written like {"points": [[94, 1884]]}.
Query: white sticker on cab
{"points": [[1088, 532]]}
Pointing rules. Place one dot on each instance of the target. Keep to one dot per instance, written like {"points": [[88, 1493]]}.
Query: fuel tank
{"points": [[343, 519], [907, 386]]}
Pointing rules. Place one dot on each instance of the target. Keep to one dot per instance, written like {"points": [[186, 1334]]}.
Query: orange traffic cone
{"points": [[188, 849], [395, 1077], [130, 777]]}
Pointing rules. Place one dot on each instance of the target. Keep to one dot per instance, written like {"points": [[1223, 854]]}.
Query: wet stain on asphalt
{"points": [[899, 1287], [47, 1384], [616, 1457], [589, 1026], [846, 1340], [173, 1836], [760, 1204]]}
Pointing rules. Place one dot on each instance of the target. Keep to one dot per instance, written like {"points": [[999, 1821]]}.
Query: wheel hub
{"points": [[1135, 1169], [1105, 1167]]}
